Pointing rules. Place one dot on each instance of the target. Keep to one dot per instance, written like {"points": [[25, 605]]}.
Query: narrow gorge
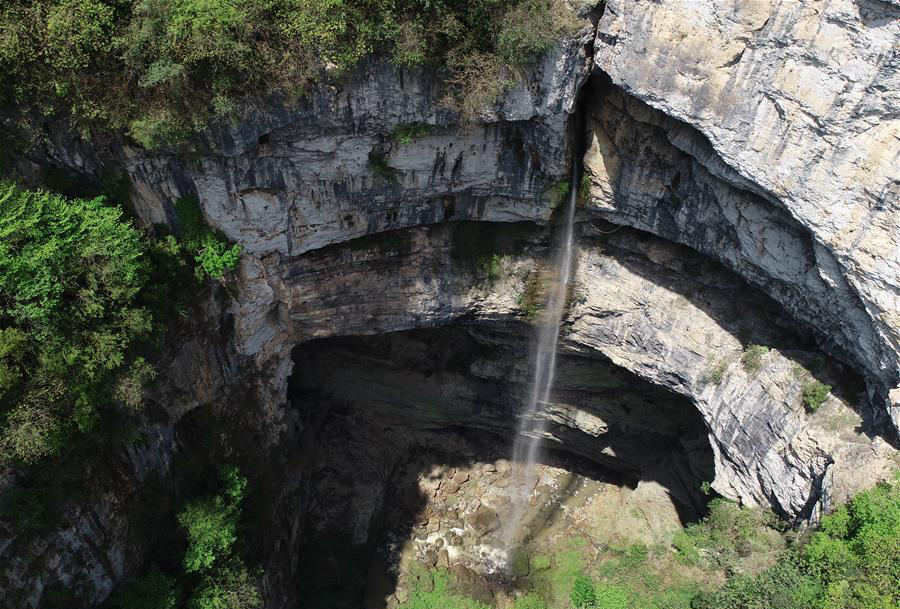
{"points": [[500, 359]]}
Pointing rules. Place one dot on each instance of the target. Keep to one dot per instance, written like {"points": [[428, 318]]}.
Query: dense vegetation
{"points": [[83, 297], [163, 69], [213, 574], [850, 561], [71, 272]]}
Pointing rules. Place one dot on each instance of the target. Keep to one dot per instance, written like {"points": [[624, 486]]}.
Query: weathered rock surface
{"points": [[798, 101]]}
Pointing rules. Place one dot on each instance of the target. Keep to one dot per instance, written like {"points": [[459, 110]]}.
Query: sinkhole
{"points": [[407, 438]]}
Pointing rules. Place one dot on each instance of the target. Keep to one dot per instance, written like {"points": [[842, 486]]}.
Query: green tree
{"points": [[211, 523], [71, 273]]}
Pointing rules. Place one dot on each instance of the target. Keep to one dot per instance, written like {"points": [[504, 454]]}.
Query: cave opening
{"points": [[406, 441]]}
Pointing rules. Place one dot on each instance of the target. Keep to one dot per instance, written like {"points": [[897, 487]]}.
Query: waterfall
{"points": [[531, 424]]}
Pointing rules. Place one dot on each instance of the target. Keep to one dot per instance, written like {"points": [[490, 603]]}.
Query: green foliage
{"points": [[751, 358], [728, 533], [438, 595], [584, 191], [611, 596], [715, 374], [380, 168], [71, 276], [530, 601], [212, 253], [558, 193], [531, 300], [230, 587], [162, 69], [407, 133], [531, 28], [490, 268], [851, 562], [541, 562], [814, 394], [153, 590], [781, 586], [211, 523], [583, 593]]}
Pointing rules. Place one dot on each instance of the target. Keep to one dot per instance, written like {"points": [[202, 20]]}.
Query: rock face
{"points": [[742, 160], [798, 104], [291, 180]]}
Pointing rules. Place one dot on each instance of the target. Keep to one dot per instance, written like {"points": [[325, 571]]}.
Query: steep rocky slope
{"points": [[743, 189]]}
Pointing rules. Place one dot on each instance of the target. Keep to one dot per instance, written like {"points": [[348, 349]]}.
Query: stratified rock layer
{"points": [[798, 103]]}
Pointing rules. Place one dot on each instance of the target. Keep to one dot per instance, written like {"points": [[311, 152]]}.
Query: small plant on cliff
{"points": [[490, 268], [380, 168], [558, 192], [752, 358], [814, 394], [531, 300], [212, 253], [407, 133], [715, 374]]}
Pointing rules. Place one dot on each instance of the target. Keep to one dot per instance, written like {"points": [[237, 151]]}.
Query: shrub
{"points": [[532, 28], [558, 193], [531, 300], [715, 374], [71, 276], [814, 394], [230, 586], [583, 593], [211, 523], [162, 69], [491, 269], [153, 590], [407, 133], [212, 252], [752, 358]]}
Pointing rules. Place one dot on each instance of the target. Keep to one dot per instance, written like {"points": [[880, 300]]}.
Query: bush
{"points": [[71, 276], [583, 593], [531, 28], [212, 253], [752, 358], [211, 523], [407, 133], [162, 69], [814, 394], [230, 586], [153, 590], [558, 193]]}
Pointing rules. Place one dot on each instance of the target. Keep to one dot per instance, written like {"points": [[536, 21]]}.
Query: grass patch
{"points": [[531, 299], [490, 270], [716, 373], [432, 591], [752, 357]]}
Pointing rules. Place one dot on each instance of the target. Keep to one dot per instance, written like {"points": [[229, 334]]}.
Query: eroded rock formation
{"points": [[742, 160]]}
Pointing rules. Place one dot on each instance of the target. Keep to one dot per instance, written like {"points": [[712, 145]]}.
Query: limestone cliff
{"points": [[742, 159]]}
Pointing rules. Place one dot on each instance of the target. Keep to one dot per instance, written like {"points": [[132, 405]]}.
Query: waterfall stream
{"points": [[532, 423]]}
